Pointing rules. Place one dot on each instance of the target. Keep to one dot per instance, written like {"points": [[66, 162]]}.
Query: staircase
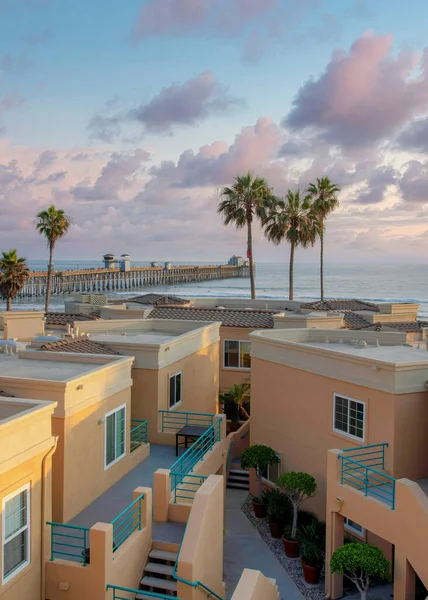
{"points": [[238, 479], [157, 575]]}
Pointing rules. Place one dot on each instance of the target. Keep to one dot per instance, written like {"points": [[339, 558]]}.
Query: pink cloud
{"points": [[363, 96]]}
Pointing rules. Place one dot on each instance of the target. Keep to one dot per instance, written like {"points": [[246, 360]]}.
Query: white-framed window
{"points": [[16, 533], [353, 527], [272, 472], [115, 431], [237, 354], [175, 389], [349, 416]]}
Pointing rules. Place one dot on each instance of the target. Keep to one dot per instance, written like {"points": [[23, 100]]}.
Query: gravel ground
{"points": [[292, 566]]}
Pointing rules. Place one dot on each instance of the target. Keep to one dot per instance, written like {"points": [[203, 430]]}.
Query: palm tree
{"points": [[53, 223], [13, 273], [291, 220], [242, 202], [324, 201], [237, 394]]}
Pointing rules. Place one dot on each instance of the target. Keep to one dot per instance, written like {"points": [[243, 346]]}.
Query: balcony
{"points": [[364, 469]]}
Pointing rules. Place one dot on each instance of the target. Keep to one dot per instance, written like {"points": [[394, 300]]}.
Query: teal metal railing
{"points": [[186, 486], [229, 457], [118, 593], [138, 434], [172, 421], [184, 465], [359, 471], [69, 542], [126, 522]]}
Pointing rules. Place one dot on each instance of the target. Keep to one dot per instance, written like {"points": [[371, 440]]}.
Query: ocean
{"points": [[375, 283]]}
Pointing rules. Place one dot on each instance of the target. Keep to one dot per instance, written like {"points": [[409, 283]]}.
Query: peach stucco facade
{"points": [[27, 445], [228, 375]]}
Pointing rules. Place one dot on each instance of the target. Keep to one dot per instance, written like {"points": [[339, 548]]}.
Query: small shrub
{"points": [[258, 457], [298, 487]]}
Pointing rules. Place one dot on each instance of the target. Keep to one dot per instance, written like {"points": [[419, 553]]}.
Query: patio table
{"points": [[189, 432]]}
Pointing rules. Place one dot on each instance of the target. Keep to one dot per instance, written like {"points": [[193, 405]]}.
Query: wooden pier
{"points": [[115, 279]]}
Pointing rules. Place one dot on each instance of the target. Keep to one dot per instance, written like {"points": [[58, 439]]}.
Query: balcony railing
{"points": [[185, 485], [358, 471], [126, 522], [69, 542], [138, 434], [184, 465], [123, 593], [172, 421]]}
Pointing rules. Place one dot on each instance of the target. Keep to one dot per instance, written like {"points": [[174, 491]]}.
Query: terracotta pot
{"points": [[311, 574], [291, 547], [259, 509], [275, 529]]}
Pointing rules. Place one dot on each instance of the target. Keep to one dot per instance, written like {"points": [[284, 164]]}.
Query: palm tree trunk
{"points": [[244, 412], [49, 282], [9, 303], [250, 252], [322, 260], [291, 273]]}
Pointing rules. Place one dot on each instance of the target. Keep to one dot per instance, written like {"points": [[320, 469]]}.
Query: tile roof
{"points": [[59, 318], [158, 300], [413, 327], [355, 321], [341, 305], [6, 394], [230, 317], [80, 345]]}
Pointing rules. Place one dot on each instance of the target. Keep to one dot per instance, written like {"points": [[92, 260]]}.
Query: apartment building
{"points": [[92, 420], [26, 447], [363, 394], [175, 365]]}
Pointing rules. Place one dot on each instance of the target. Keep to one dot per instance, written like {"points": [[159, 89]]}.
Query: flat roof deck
{"points": [[390, 354], [135, 337], [48, 370]]}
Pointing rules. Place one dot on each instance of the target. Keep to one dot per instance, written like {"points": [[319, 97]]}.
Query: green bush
{"points": [[312, 543], [258, 457], [360, 563], [298, 487], [277, 505]]}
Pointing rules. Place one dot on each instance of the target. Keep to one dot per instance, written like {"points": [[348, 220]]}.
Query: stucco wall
{"points": [[201, 555], [26, 584], [79, 464], [292, 411], [410, 436], [253, 585], [23, 325], [150, 390]]}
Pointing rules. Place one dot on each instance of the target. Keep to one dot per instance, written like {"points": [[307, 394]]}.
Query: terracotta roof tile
{"points": [[341, 305], [59, 318], [257, 319], [81, 345], [158, 300], [355, 321]]}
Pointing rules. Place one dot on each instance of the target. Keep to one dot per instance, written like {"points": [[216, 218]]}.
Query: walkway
{"points": [[107, 506], [244, 548]]}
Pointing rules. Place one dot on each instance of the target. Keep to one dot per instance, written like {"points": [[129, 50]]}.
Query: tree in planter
{"points": [[298, 487], [360, 563], [312, 549], [236, 396], [259, 457]]}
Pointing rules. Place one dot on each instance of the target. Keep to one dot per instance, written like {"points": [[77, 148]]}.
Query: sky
{"points": [[131, 116]]}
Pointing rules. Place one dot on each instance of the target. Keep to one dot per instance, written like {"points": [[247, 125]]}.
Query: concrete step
{"points": [[164, 555], [239, 472], [238, 486], [152, 567], [159, 584]]}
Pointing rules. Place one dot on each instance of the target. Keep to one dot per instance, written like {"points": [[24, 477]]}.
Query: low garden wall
{"points": [[253, 585]]}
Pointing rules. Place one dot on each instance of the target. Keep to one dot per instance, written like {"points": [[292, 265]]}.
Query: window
{"points": [[349, 416], [115, 447], [272, 472], [237, 354], [16, 533], [175, 389], [354, 527]]}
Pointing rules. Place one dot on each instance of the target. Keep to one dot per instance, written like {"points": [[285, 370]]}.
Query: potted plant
{"points": [[258, 457], [360, 563], [277, 508], [312, 550], [297, 487]]}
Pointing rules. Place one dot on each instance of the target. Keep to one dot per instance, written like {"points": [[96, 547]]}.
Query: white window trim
{"points": [[239, 355], [174, 406], [279, 469], [25, 564], [344, 433], [118, 458], [353, 530]]}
